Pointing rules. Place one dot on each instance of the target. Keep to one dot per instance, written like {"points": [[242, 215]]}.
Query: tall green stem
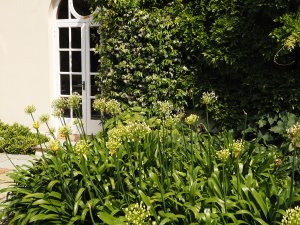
{"points": [[207, 122], [293, 177], [224, 188]]}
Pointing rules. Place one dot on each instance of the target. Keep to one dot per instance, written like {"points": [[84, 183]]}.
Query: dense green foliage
{"points": [[164, 169], [175, 50], [141, 57], [18, 139]]}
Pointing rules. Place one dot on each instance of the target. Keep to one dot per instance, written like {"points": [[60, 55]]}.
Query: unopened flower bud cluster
{"points": [[237, 147], [82, 148], [191, 119], [165, 107], [223, 154], [292, 217], [36, 125], [131, 132], [171, 121], [112, 106], [30, 109], [64, 131], [60, 104], [137, 214], [294, 134], [74, 101], [54, 145], [209, 98]]}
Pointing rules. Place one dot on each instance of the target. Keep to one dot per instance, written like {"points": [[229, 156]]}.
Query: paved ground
{"points": [[7, 164]]}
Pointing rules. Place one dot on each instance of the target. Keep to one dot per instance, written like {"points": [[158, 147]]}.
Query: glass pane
{"points": [[64, 37], [82, 7], [95, 115], [76, 61], [94, 37], [94, 58], [63, 10], [64, 84], [76, 37], [94, 87], [75, 113], [77, 84], [64, 61], [67, 113]]}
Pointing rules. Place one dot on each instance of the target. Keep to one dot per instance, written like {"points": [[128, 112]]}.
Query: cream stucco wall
{"points": [[25, 58]]}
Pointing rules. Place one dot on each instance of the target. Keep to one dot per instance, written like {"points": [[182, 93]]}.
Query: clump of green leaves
{"points": [[164, 168]]}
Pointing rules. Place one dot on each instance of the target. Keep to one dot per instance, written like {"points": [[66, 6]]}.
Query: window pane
{"points": [[77, 84], [94, 37], [95, 115], [76, 37], [63, 10], [94, 58], [64, 37], [82, 7], [67, 113], [64, 61], [64, 84], [94, 87], [76, 61]]}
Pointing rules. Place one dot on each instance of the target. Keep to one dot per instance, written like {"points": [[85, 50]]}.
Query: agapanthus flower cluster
{"points": [[36, 125], [165, 107], [133, 131], [64, 131], [171, 121], [30, 109], [137, 214], [44, 118], [191, 119], [58, 106], [237, 147], [54, 145], [209, 98], [292, 217], [111, 106], [223, 154], [74, 101], [82, 148], [100, 104], [294, 134]]}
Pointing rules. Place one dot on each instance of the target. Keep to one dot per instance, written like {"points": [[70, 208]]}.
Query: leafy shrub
{"points": [[18, 139], [171, 173], [140, 53], [175, 50], [272, 129]]}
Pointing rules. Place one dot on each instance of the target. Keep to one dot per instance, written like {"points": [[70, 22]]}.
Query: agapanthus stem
{"points": [[293, 177], [207, 122]]}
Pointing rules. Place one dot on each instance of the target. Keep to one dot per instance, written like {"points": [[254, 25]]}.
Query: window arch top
{"points": [[73, 9]]}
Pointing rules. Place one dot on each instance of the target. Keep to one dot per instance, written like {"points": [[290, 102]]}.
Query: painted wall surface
{"points": [[25, 59]]}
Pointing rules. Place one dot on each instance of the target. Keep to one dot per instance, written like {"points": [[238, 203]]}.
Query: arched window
{"points": [[77, 63]]}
